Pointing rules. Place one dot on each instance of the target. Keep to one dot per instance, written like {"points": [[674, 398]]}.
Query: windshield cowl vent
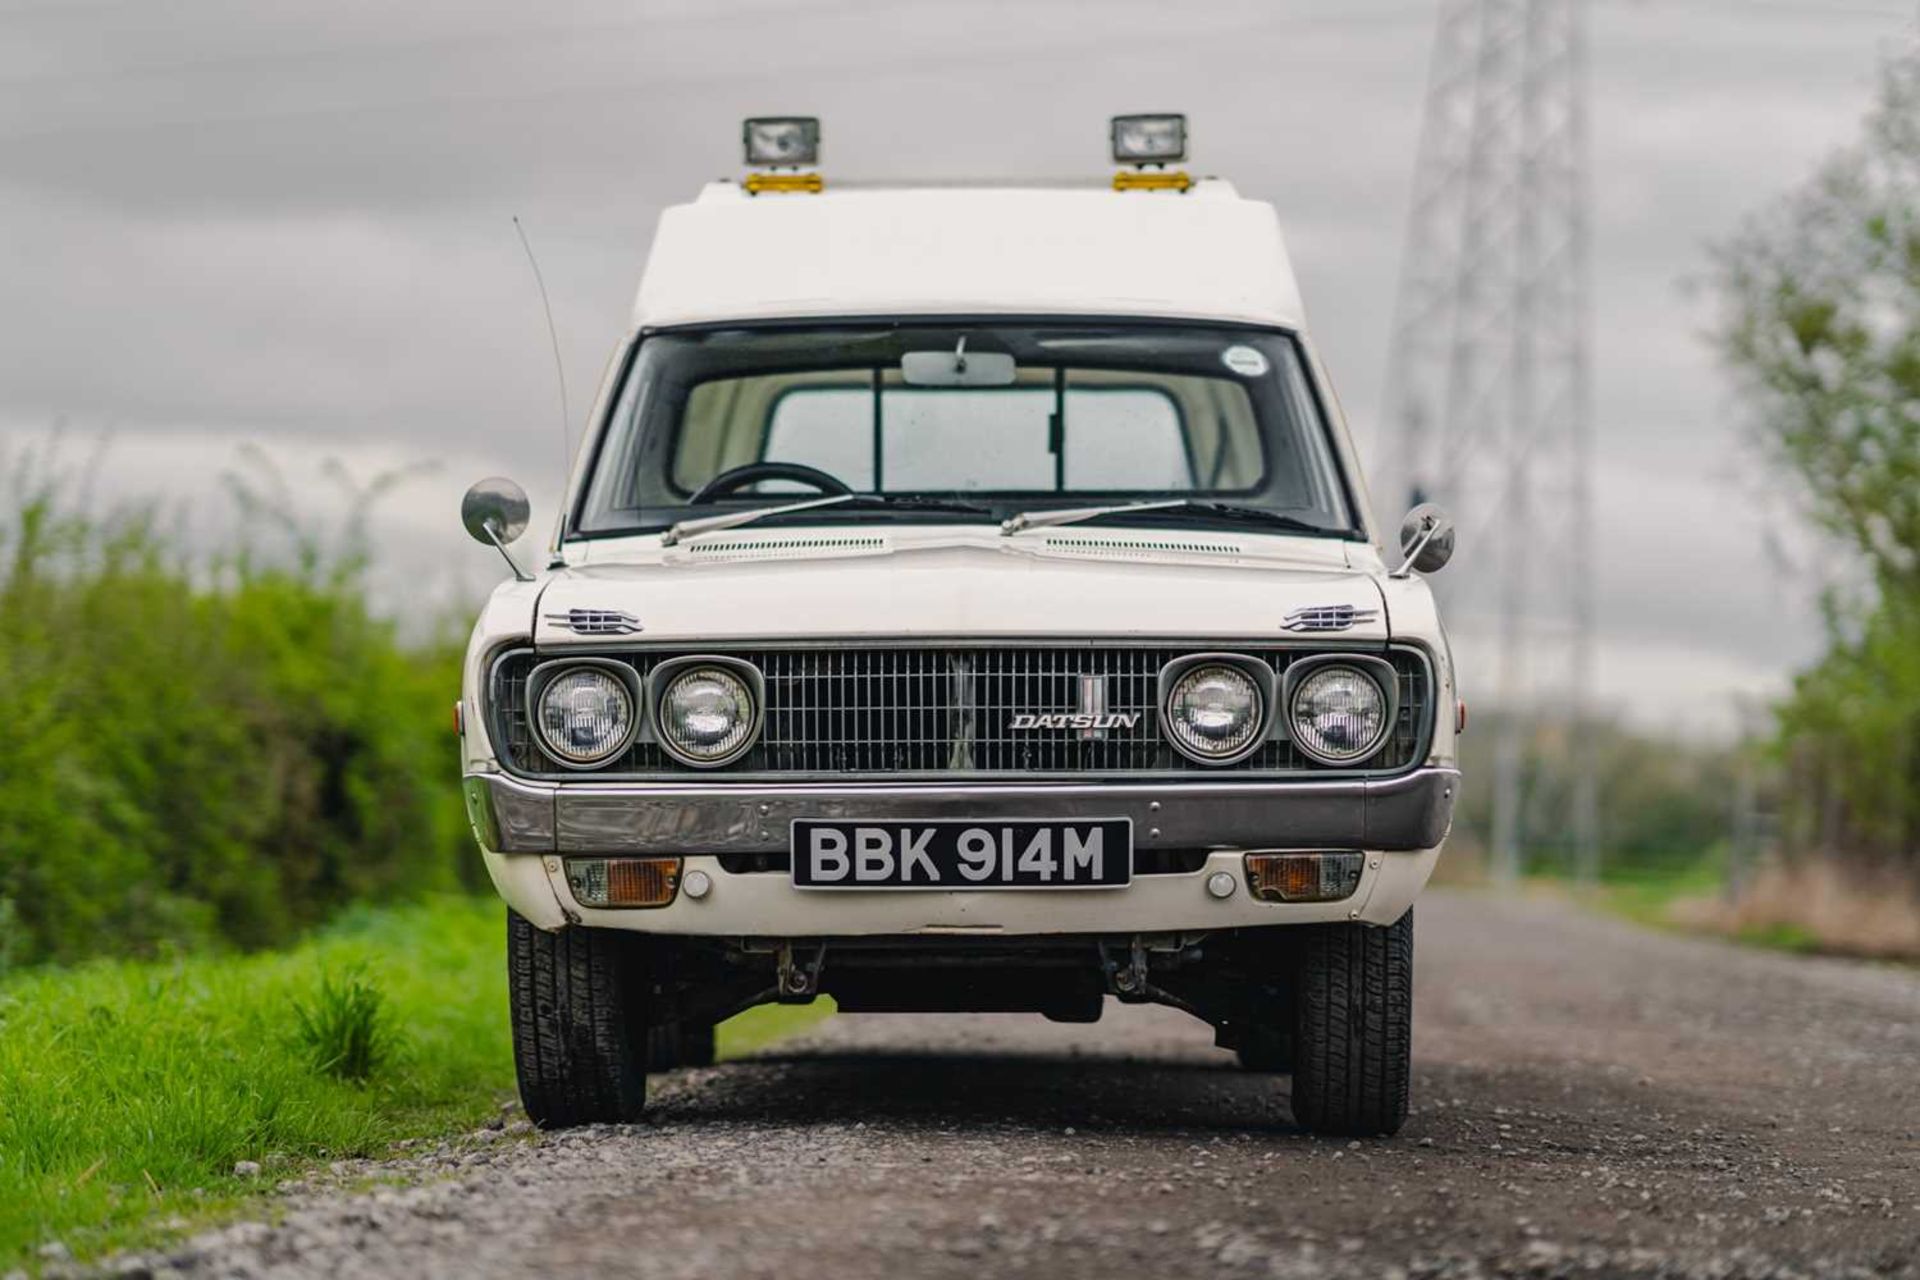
{"points": [[717, 549], [1140, 548]]}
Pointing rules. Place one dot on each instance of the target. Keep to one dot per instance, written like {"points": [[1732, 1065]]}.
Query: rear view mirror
{"points": [[495, 511], [960, 368], [1426, 540]]}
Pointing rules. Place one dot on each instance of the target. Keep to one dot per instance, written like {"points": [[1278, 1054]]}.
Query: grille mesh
{"points": [[912, 710]]}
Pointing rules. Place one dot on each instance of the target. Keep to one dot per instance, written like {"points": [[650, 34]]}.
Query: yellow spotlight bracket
{"points": [[777, 183], [1151, 180]]}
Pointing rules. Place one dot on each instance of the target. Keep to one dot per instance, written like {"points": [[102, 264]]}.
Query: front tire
{"points": [[1353, 1059], [578, 1000]]}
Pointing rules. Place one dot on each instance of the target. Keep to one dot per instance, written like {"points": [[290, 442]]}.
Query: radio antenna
{"points": [[559, 369]]}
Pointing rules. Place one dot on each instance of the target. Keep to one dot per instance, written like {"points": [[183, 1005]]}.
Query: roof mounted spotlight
{"points": [[783, 145], [1150, 140]]}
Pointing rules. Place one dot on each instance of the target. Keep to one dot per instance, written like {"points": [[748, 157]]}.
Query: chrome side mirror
{"points": [[1426, 540], [496, 511]]}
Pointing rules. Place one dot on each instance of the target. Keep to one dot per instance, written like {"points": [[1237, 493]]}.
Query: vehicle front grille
{"points": [[887, 710]]}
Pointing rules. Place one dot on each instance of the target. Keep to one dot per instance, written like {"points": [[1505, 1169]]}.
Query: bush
{"points": [[1666, 806], [205, 754]]}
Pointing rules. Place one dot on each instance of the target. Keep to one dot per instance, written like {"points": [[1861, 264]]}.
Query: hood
{"points": [[868, 586]]}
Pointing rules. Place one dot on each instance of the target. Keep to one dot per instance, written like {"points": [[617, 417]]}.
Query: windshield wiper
{"points": [[685, 529], [1169, 506]]}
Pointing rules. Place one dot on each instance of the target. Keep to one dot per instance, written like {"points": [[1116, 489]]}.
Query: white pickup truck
{"points": [[965, 598]]}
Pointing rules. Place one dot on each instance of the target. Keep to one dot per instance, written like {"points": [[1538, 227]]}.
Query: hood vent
{"points": [[596, 622], [713, 550], [1137, 548], [1327, 617]]}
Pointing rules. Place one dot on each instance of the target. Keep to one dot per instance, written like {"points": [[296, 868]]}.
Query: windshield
{"points": [[1004, 418]]}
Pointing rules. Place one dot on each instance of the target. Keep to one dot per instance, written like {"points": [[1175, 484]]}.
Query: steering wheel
{"points": [[736, 478]]}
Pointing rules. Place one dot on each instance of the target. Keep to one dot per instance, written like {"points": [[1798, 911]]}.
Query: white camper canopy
{"points": [[1202, 254]]}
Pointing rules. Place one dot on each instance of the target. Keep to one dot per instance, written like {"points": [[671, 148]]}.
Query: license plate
{"points": [[963, 854]]}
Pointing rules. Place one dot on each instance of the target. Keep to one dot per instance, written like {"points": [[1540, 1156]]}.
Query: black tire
{"points": [[578, 999], [1353, 1059]]}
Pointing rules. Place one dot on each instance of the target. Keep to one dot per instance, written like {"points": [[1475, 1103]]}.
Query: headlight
{"points": [[1214, 713], [585, 716], [1338, 714], [707, 716]]}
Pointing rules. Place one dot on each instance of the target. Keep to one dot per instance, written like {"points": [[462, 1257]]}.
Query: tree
{"points": [[1821, 329]]}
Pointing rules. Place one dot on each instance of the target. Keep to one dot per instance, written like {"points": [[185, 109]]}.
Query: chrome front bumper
{"points": [[1410, 811]]}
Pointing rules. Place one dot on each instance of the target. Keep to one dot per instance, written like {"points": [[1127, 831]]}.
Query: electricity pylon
{"points": [[1488, 400]]}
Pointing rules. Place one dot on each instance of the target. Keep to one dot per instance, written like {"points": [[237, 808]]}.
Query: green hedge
{"points": [[196, 755]]}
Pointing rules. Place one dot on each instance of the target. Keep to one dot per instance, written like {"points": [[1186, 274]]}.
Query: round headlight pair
{"points": [[586, 714], [1337, 712]]}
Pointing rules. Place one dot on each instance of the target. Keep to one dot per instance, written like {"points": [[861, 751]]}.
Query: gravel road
{"points": [[1589, 1099]]}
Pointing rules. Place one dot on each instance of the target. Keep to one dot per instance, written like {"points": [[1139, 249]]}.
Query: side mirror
{"points": [[1426, 540], [495, 512]]}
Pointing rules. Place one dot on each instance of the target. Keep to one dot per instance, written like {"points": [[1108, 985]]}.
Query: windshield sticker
{"points": [[1244, 361]]}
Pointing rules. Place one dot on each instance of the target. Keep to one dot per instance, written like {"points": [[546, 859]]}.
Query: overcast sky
{"points": [[230, 223]]}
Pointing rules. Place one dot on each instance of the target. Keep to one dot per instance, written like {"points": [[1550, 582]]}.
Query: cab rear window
{"points": [[1096, 432]]}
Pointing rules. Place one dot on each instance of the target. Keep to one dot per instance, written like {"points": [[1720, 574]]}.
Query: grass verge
{"points": [[130, 1090], [1691, 899], [1648, 897]]}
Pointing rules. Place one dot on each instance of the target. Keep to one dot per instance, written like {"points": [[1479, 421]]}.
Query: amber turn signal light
{"points": [[623, 882], [1303, 877]]}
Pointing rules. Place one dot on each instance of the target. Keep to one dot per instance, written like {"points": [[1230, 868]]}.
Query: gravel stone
{"points": [[1666, 1108]]}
